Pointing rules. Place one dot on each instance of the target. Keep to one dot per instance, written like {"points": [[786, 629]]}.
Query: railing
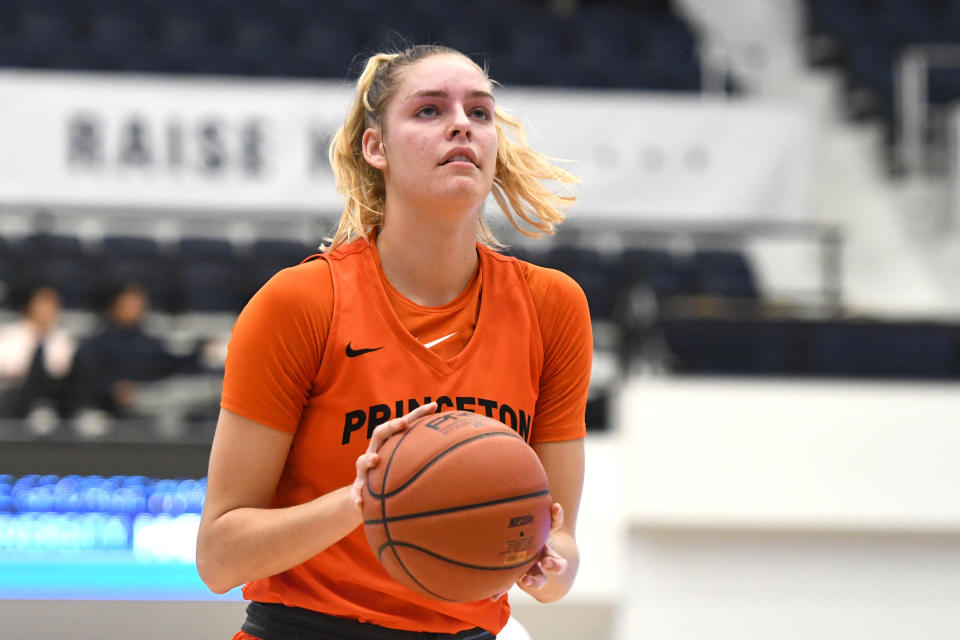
{"points": [[911, 103]]}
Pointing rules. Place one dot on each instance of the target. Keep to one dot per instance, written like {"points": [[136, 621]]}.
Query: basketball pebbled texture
{"points": [[458, 507]]}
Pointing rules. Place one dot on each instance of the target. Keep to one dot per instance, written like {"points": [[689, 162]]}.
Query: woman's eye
{"points": [[480, 113], [427, 111]]}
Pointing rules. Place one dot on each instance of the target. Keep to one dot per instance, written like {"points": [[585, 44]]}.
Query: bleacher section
{"points": [[705, 305], [600, 44], [867, 40], [191, 275]]}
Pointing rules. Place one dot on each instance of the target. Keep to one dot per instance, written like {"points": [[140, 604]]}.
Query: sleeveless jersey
{"points": [[372, 370]]}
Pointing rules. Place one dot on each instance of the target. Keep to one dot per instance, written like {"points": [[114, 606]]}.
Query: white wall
{"points": [[791, 510]]}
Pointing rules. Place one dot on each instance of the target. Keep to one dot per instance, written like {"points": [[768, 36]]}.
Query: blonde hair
{"points": [[518, 186]]}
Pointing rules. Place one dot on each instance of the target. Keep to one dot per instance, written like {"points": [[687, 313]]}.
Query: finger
{"points": [[388, 429], [419, 412], [356, 494], [534, 578], [556, 516], [553, 564], [366, 462], [383, 433]]}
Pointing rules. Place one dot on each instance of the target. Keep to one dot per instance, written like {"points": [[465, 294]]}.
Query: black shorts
{"points": [[270, 621]]}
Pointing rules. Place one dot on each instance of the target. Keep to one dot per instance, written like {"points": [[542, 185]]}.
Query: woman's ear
{"points": [[373, 152]]}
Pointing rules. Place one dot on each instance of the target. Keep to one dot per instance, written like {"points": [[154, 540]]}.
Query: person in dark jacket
{"points": [[112, 364]]}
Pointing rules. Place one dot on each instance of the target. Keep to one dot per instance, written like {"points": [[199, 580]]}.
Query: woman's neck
{"points": [[429, 264]]}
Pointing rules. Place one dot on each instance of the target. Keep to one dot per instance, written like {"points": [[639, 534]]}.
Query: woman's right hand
{"points": [[381, 434]]}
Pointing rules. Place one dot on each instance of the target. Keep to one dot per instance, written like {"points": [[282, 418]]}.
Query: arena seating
{"points": [[621, 45], [705, 304], [866, 37], [61, 261], [207, 271], [814, 348]]}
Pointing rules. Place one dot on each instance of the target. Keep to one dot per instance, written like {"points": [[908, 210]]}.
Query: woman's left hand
{"points": [[549, 564]]}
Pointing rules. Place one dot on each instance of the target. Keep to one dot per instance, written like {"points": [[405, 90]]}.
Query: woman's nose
{"points": [[460, 124]]}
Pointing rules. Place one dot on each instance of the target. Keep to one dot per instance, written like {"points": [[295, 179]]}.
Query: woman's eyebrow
{"points": [[439, 93]]}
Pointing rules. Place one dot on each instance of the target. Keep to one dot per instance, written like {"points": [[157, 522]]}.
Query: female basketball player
{"points": [[407, 311]]}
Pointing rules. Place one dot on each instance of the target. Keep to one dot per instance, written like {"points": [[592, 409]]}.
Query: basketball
{"points": [[458, 507]]}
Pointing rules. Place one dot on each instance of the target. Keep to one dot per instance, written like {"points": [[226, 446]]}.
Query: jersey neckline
{"points": [[407, 339]]}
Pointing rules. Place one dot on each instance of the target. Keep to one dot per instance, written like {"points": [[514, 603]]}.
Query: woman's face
{"points": [[439, 139], [44, 309]]}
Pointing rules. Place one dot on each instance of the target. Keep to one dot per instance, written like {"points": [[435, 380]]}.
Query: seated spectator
{"points": [[35, 360], [112, 364]]}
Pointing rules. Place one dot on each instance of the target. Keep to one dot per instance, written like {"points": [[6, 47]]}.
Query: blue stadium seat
{"points": [[593, 271], [396, 30], [657, 268], [205, 249], [62, 262], [731, 347], [324, 48], [943, 86], [195, 31], [40, 246], [722, 273], [38, 37], [270, 256], [534, 51], [10, 273], [871, 63], [259, 30], [878, 350], [668, 58], [50, 26], [908, 20], [603, 33], [210, 276], [71, 276], [478, 37], [128, 259], [117, 30], [847, 19]]}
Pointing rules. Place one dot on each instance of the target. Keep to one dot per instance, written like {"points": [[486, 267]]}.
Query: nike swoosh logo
{"points": [[428, 345], [353, 353]]}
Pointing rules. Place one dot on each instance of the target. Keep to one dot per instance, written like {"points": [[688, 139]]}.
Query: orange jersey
{"points": [[326, 351]]}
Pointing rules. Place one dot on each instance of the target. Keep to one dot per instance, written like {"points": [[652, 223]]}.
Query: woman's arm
{"points": [[241, 538], [551, 578]]}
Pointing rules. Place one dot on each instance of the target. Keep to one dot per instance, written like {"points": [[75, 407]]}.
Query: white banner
{"points": [[100, 140], [261, 145], [677, 159]]}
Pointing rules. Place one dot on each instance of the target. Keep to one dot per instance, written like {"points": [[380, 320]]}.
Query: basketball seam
{"points": [[386, 529], [433, 461], [465, 565], [436, 512]]}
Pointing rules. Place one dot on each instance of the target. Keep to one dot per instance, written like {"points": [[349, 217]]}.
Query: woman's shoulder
{"points": [[551, 285], [307, 284]]}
